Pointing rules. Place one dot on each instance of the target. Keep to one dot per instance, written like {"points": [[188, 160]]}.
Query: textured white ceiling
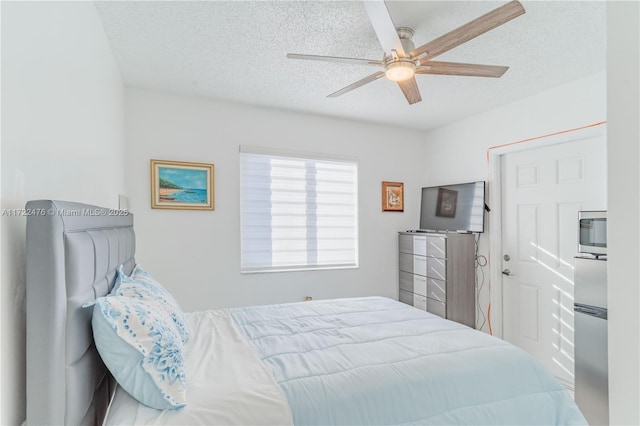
{"points": [[236, 51]]}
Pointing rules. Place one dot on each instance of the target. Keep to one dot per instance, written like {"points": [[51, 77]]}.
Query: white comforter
{"points": [[227, 382], [352, 361], [373, 360]]}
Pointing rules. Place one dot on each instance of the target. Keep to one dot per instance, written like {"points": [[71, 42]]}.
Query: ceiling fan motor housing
{"points": [[405, 34], [399, 68]]}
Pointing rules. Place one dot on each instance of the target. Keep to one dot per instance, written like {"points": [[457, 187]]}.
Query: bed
{"points": [[368, 360]]}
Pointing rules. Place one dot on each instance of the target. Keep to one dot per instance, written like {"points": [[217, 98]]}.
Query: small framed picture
{"points": [[392, 196], [447, 202], [181, 185]]}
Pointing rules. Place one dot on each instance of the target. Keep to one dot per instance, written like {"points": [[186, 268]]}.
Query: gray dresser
{"points": [[437, 274]]}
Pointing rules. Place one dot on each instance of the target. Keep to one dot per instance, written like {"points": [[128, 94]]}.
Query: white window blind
{"points": [[297, 211]]}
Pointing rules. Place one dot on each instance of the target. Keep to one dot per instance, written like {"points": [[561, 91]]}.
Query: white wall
{"points": [[196, 254], [62, 138], [464, 144], [623, 84]]}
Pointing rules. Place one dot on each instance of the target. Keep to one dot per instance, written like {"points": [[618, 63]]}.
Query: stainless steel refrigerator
{"points": [[591, 370]]}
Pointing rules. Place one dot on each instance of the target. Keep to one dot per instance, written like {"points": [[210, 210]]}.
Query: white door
{"points": [[542, 191]]}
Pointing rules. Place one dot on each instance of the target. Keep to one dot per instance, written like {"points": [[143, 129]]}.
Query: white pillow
{"points": [[142, 286], [142, 349]]}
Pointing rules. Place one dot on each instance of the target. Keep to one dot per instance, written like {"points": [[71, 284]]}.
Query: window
{"points": [[297, 211]]}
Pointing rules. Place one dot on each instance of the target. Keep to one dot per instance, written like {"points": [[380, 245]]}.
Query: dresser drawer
{"points": [[413, 244], [420, 285], [406, 297], [406, 262], [436, 246], [420, 302], [406, 281], [413, 264], [436, 268], [420, 245], [405, 244], [437, 289], [413, 283], [436, 308]]}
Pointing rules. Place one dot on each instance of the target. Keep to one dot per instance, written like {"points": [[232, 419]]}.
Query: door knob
{"points": [[506, 272]]}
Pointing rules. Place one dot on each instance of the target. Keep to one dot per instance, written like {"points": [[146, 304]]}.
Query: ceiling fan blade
{"points": [[469, 31], [384, 27], [369, 79], [410, 89], [354, 61], [456, 68]]}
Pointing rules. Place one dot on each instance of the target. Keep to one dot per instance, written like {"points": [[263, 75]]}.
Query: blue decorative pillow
{"points": [[142, 286], [142, 349]]}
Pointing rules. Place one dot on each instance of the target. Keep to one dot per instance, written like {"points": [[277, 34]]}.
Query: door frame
{"points": [[494, 157]]}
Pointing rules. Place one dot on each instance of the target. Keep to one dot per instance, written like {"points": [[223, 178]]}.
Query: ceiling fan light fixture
{"points": [[400, 71]]}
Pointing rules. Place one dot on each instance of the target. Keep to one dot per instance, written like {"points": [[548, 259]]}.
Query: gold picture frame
{"points": [[181, 185], [392, 196]]}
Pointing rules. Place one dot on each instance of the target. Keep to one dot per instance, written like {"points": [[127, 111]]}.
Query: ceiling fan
{"points": [[402, 60]]}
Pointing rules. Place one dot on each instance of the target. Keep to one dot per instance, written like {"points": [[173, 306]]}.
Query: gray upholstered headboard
{"points": [[73, 252]]}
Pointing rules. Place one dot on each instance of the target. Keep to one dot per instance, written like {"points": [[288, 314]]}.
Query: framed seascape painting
{"points": [[392, 196], [181, 185]]}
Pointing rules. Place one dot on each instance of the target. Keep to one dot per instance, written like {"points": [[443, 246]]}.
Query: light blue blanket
{"points": [[374, 360]]}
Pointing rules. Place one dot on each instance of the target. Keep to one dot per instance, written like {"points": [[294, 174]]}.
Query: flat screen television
{"points": [[453, 208]]}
